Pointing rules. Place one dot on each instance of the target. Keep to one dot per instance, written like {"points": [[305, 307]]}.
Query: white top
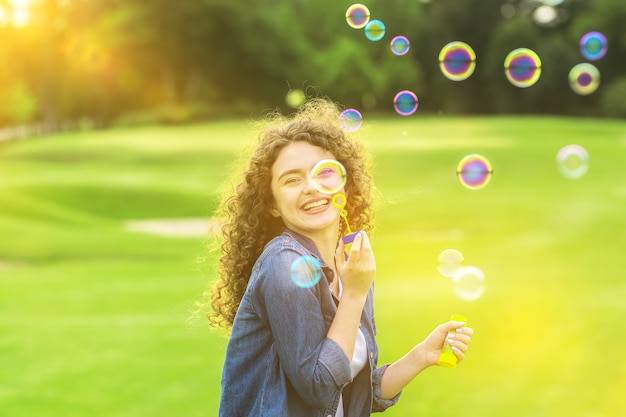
{"points": [[359, 358]]}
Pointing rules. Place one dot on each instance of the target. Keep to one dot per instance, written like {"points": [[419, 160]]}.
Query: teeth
{"points": [[315, 204]]}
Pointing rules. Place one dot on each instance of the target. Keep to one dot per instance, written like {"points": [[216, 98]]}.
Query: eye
{"points": [[326, 172], [291, 180]]}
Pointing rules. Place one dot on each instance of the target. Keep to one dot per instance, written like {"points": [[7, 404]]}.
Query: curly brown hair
{"points": [[248, 224]]}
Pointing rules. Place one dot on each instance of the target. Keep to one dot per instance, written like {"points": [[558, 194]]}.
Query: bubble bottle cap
{"points": [[447, 359]]}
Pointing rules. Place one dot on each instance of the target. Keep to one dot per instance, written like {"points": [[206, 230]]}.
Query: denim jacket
{"points": [[279, 362]]}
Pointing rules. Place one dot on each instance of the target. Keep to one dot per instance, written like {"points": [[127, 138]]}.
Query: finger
{"points": [[466, 330], [454, 343], [453, 326], [356, 246], [340, 253], [366, 239], [458, 353], [366, 246], [462, 338]]}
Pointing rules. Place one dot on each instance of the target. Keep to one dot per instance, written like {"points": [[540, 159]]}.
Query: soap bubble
{"points": [[474, 171], [350, 120], [469, 283], [306, 271], [449, 262], [457, 61], [584, 78], [357, 16], [572, 161], [522, 67], [593, 45], [329, 176], [400, 45], [375, 30], [405, 103]]}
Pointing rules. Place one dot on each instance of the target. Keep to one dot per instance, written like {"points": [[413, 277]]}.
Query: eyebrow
{"points": [[289, 171]]}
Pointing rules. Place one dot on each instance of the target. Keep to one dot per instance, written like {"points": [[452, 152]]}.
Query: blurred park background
{"points": [[120, 123]]}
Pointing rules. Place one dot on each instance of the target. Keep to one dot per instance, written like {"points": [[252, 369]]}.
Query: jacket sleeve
{"points": [[378, 403], [316, 366]]}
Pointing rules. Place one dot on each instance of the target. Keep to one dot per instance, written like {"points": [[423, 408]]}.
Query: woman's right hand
{"points": [[358, 271]]}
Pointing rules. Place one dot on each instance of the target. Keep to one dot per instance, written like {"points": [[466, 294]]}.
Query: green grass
{"points": [[93, 318]]}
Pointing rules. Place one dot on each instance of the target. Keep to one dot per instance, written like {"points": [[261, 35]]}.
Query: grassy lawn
{"points": [[94, 318]]}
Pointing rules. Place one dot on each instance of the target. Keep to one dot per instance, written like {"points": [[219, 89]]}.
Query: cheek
{"points": [[281, 200], [272, 203]]}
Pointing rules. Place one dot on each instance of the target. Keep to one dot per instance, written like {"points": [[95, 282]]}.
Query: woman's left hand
{"points": [[457, 335]]}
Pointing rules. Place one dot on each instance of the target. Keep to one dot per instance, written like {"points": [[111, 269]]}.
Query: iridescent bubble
{"points": [[457, 61], [306, 271], [400, 45], [474, 171], [375, 30], [469, 283], [584, 78], [350, 120], [295, 98], [593, 45], [357, 16], [449, 262], [522, 67], [329, 176], [572, 161], [405, 103]]}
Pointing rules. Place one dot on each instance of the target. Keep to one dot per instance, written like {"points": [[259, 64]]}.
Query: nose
{"points": [[309, 185]]}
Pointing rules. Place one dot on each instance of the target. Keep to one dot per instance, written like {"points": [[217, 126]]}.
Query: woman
{"points": [[297, 351]]}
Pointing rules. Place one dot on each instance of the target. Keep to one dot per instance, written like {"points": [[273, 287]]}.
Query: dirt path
{"points": [[175, 228]]}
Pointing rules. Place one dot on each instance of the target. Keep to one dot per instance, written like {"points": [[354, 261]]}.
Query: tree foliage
{"points": [[104, 59]]}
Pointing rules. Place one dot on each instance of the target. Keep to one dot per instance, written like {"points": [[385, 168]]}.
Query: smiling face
{"points": [[298, 203]]}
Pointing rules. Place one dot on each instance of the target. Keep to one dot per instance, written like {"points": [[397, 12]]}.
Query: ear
{"points": [[274, 211]]}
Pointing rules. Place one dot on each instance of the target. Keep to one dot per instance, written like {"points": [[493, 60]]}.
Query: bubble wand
{"points": [[339, 201]]}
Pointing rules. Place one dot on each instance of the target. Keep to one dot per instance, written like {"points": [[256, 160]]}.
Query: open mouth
{"points": [[314, 205]]}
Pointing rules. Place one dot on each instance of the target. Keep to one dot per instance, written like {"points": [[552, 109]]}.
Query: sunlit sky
{"points": [[18, 15]]}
